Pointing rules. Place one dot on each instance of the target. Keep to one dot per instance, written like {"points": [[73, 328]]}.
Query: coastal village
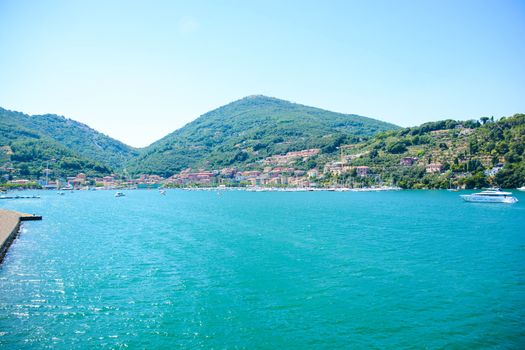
{"points": [[262, 175], [352, 167], [275, 171]]}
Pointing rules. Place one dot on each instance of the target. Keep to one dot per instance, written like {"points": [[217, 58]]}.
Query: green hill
{"points": [[25, 154], [466, 151], [241, 134], [28, 141], [73, 135], [251, 129]]}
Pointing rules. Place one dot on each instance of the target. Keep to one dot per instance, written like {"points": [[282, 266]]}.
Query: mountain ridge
{"points": [[249, 129], [239, 132], [246, 134]]}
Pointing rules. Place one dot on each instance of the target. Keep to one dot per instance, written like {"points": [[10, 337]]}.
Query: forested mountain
{"points": [[25, 153], [251, 129], [79, 139], [29, 143], [460, 153]]}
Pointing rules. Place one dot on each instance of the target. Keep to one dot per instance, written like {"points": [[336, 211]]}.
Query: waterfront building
{"points": [[337, 168], [108, 181], [312, 173], [433, 168], [228, 172], [362, 170], [19, 182], [250, 173]]}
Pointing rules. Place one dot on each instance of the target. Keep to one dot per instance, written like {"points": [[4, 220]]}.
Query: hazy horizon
{"points": [[138, 71]]}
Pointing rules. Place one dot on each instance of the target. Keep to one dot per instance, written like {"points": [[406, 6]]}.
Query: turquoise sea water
{"points": [[408, 269]]}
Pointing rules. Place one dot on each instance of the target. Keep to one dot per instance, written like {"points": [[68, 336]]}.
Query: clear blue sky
{"points": [[137, 70]]}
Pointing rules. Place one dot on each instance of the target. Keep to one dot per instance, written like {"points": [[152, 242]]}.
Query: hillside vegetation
{"points": [[28, 142], [77, 137], [25, 154], [245, 133], [467, 151], [251, 129]]}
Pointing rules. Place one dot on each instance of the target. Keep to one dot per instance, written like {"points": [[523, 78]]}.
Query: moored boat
{"points": [[522, 188], [119, 194], [490, 196]]}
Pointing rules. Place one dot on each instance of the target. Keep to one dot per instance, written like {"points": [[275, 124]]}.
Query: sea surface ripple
{"points": [[244, 270]]}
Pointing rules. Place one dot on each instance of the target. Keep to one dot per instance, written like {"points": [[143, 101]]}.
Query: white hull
{"points": [[488, 199]]}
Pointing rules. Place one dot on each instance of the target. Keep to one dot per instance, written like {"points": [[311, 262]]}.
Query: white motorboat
{"points": [[522, 188], [490, 196], [119, 194]]}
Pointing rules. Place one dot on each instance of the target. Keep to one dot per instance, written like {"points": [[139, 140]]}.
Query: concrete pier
{"points": [[10, 226]]}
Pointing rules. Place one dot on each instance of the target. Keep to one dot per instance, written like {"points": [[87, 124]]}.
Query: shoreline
{"points": [[292, 189], [10, 222]]}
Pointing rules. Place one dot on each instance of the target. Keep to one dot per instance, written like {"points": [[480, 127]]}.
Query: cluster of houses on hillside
{"points": [[432, 168], [277, 170], [291, 157], [273, 176], [338, 168]]}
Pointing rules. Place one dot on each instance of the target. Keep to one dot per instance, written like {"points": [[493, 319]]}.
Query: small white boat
{"points": [[490, 196], [522, 188], [162, 192], [119, 194]]}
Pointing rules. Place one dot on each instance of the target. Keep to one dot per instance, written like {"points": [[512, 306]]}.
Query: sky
{"points": [[138, 70]]}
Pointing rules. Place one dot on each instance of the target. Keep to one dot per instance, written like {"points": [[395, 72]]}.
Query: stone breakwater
{"points": [[9, 228]]}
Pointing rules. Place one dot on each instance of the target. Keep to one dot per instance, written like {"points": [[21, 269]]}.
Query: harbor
{"points": [[402, 257]]}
